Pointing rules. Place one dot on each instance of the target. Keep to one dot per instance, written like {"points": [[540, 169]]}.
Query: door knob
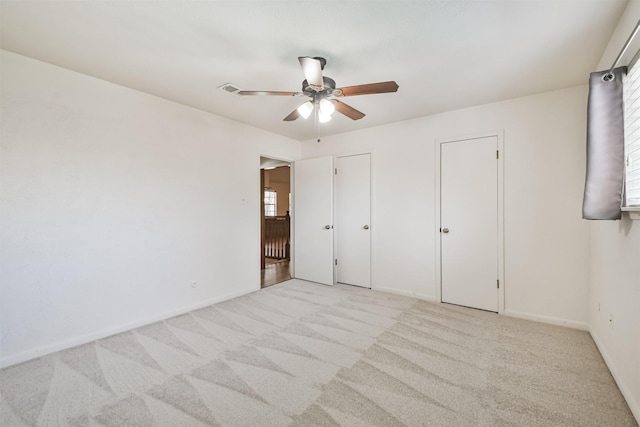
{"points": [[366, 227], [328, 227], [445, 230]]}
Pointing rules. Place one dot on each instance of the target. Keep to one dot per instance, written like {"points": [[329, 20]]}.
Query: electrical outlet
{"points": [[194, 284]]}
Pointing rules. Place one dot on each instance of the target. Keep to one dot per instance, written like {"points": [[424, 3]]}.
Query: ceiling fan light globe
{"points": [[305, 109], [323, 118], [327, 107]]}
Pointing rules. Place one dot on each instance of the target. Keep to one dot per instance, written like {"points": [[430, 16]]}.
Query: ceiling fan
{"points": [[322, 92]]}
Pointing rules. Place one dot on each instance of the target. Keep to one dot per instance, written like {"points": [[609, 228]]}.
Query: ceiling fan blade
{"points": [[312, 69], [266, 93], [347, 110], [368, 89], [291, 117]]}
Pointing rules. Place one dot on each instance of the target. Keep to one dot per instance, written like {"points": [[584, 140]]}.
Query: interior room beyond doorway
{"points": [[275, 221]]}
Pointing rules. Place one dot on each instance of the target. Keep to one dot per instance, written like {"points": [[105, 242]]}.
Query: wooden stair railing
{"points": [[277, 243]]}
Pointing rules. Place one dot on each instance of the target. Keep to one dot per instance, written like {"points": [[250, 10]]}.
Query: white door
{"points": [[313, 220], [469, 222], [353, 220]]}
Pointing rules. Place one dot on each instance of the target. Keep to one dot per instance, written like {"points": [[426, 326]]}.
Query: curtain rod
{"points": [[609, 76]]}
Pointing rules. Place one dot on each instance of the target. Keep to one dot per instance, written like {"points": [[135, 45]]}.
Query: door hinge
{"points": [[336, 261], [498, 283], [497, 154], [336, 171]]}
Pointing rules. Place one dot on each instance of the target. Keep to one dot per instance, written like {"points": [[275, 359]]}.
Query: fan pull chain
{"points": [[316, 116]]}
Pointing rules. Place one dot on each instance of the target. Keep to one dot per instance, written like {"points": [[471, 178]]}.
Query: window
{"points": [[631, 89], [269, 202]]}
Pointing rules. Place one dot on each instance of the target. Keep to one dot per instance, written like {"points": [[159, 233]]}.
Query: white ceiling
{"points": [[444, 55]]}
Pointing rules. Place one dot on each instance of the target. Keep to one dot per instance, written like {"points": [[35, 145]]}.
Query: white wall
{"points": [[113, 202], [546, 241], [614, 308]]}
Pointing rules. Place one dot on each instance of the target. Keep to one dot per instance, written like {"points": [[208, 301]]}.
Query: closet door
{"points": [[469, 222], [313, 220], [353, 220]]}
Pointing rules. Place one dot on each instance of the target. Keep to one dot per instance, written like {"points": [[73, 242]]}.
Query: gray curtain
{"points": [[605, 147]]}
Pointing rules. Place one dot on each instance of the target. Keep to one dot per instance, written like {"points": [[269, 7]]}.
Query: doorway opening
{"points": [[275, 221]]}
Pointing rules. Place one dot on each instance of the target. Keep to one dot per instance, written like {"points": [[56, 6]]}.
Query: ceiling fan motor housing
{"points": [[312, 90]]}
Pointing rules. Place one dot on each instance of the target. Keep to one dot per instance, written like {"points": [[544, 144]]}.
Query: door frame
{"points": [[261, 211], [499, 134]]}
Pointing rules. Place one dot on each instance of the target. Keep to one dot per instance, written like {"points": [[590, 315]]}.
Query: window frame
{"points": [[273, 195], [631, 108]]}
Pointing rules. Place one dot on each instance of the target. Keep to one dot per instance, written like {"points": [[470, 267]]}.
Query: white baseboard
{"points": [[424, 297], [624, 389], [548, 319], [84, 339]]}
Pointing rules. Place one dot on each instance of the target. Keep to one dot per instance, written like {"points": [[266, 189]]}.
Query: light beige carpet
{"points": [[310, 355]]}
